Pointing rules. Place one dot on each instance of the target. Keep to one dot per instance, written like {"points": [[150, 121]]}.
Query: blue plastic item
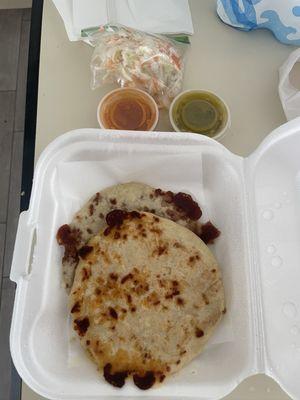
{"points": [[281, 17]]}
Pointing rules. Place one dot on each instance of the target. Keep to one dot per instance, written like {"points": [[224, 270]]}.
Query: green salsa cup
{"points": [[200, 111]]}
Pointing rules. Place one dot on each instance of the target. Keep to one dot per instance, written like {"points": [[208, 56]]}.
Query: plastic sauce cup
{"points": [[128, 109], [200, 111]]}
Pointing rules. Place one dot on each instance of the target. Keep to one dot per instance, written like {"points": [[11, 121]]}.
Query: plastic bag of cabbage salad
{"points": [[136, 59]]}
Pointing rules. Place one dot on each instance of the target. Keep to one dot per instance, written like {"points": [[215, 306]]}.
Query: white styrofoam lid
{"points": [[274, 174]]}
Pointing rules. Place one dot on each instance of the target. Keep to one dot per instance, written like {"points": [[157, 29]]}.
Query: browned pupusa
{"points": [[146, 297], [90, 219]]}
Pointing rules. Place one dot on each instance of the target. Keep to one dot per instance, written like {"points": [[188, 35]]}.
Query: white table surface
{"points": [[241, 67]]}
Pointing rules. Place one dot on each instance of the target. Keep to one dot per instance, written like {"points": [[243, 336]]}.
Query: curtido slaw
{"points": [[137, 59]]}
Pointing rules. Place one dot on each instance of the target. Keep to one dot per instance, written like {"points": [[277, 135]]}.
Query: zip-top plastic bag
{"points": [[137, 59]]}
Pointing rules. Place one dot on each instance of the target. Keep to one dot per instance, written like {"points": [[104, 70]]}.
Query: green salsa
{"points": [[200, 112]]}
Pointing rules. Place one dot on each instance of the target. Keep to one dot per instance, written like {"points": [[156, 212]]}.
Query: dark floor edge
{"points": [[29, 135], [31, 102]]}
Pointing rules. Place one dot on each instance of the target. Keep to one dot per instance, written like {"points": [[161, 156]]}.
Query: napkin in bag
{"points": [[155, 16]]}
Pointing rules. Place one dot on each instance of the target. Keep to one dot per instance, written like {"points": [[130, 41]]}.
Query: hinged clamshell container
{"points": [[255, 201]]}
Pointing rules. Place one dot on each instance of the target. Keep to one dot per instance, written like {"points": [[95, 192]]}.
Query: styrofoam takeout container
{"points": [[254, 201]]}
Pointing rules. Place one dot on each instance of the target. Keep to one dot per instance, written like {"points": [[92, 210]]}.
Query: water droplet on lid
{"points": [[287, 201], [289, 310], [285, 194], [276, 261], [277, 205], [271, 249], [268, 215], [278, 368], [251, 389], [268, 390], [295, 330]]}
